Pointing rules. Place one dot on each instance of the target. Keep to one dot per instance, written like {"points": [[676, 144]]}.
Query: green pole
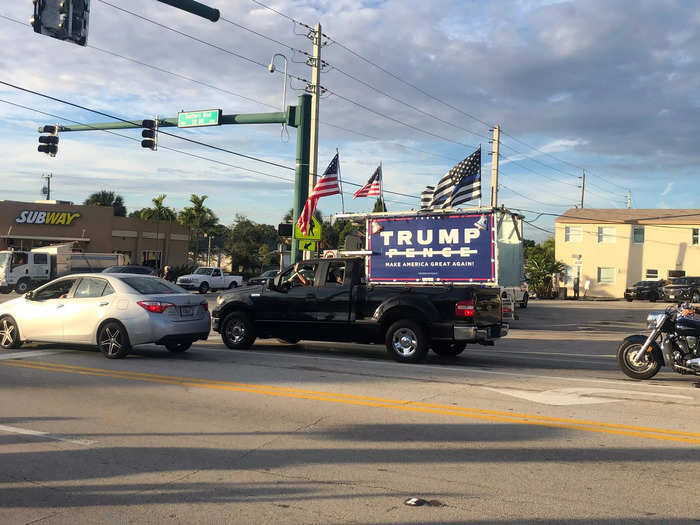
{"points": [[191, 6], [301, 175]]}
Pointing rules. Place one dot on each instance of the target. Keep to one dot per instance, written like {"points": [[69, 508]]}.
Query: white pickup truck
{"points": [[209, 278]]}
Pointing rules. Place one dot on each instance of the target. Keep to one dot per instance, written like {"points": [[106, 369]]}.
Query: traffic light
{"points": [[150, 134], [62, 19], [49, 143]]}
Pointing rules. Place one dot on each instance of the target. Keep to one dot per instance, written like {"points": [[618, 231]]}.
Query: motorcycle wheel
{"points": [[647, 369]]}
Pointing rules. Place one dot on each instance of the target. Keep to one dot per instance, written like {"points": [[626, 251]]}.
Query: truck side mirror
{"points": [[29, 296]]}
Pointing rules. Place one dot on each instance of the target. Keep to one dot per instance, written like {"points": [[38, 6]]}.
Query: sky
{"points": [[612, 88]]}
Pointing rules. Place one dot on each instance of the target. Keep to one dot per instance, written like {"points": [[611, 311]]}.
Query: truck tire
{"points": [[204, 287], [237, 331], [233, 284], [406, 342], [523, 303], [23, 286], [447, 349]]}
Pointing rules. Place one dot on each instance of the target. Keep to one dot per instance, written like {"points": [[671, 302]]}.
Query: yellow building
{"points": [[611, 249]]}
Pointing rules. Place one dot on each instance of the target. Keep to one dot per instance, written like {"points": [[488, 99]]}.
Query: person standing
{"points": [[576, 287]]}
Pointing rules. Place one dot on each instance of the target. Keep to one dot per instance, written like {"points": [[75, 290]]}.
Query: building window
{"points": [[606, 234], [696, 232], [652, 275], [606, 275], [638, 234], [573, 234]]}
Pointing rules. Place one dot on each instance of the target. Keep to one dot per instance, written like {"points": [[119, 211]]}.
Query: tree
{"points": [[540, 266], [107, 198], [198, 219], [159, 212], [250, 246], [379, 205]]}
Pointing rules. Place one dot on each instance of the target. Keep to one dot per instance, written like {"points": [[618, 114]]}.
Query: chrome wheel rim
{"points": [[8, 332], [111, 341], [404, 341], [645, 365], [235, 330]]}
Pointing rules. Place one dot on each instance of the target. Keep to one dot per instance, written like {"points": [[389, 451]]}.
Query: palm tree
{"points": [[198, 218], [159, 212], [107, 198]]}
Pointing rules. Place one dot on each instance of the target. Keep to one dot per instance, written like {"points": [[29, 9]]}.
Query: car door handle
{"points": [[104, 304], [60, 306]]}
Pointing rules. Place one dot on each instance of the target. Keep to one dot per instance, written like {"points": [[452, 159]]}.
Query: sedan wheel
{"points": [[9, 334], [113, 340]]}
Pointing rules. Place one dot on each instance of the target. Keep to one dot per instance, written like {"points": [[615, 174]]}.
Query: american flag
{"points": [[461, 184], [325, 186], [426, 197], [373, 188]]}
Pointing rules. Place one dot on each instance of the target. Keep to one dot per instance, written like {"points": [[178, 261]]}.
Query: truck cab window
{"points": [[336, 274], [19, 259]]}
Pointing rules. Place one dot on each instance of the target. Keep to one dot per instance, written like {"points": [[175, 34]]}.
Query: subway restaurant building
{"points": [[92, 229]]}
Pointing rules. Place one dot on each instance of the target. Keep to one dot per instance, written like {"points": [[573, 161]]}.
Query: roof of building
{"points": [[628, 216]]}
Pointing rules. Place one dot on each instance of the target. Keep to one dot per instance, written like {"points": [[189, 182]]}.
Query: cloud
{"points": [[668, 189]]}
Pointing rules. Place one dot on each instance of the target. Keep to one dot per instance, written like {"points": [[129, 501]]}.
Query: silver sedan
{"points": [[114, 311]]}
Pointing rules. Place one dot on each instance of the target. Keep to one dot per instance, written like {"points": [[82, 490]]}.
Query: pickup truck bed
{"points": [[410, 320]]}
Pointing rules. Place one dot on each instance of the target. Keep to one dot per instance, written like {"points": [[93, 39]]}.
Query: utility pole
{"points": [[494, 166], [583, 186], [629, 199], [315, 89], [48, 185]]}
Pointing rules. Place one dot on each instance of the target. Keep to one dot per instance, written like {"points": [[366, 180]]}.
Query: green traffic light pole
{"points": [[296, 116]]}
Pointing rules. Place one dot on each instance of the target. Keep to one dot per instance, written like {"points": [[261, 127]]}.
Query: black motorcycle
{"points": [[674, 341]]}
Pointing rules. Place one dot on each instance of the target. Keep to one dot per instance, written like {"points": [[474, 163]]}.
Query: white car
{"points": [[114, 311], [205, 279]]}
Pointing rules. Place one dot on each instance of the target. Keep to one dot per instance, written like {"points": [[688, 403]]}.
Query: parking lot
{"points": [[542, 426]]}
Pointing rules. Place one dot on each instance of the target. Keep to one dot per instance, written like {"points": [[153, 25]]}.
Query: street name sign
{"points": [[195, 119]]}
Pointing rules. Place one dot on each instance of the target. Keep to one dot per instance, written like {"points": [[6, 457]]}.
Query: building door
{"points": [[152, 258]]}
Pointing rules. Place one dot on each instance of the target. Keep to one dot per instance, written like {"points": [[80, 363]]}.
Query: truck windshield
{"points": [[203, 271], [4, 260]]}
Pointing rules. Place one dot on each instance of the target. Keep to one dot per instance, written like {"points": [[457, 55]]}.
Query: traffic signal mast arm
{"points": [[287, 117]]}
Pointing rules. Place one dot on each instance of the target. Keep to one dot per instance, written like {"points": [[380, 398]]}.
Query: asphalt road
{"points": [[540, 428]]}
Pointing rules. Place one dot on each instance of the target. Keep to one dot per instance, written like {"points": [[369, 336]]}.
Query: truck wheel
{"points": [[523, 303], [113, 340], [237, 331], [446, 349], [9, 333], [204, 287], [23, 286], [406, 342], [233, 284]]}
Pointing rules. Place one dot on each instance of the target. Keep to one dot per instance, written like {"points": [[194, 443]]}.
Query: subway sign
{"points": [[52, 218]]}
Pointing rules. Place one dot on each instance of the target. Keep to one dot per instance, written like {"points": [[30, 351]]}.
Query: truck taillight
{"points": [[464, 309], [156, 307]]}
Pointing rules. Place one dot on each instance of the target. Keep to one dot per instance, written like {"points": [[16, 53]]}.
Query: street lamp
{"points": [[272, 69]]}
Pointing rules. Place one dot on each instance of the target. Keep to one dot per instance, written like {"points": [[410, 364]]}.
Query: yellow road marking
{"points": [[377, 402]]}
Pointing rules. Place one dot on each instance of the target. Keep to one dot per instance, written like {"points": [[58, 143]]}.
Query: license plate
{"points": [[187, 311]]}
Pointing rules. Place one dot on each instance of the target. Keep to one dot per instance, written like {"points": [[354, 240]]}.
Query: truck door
{"points": [[39, 269], [293, 301], [333, 295], [217, 281]]}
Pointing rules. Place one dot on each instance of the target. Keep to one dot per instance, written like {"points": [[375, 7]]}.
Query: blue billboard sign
{"points": [[432, 248]]}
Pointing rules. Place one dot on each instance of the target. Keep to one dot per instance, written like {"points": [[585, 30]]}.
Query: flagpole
{"points": [[480, 181], [381, 185], [340, 183]]}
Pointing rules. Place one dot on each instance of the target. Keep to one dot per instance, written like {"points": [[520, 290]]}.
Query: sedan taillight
{"points": [[205, 305], [464, 308], [156, 307]]}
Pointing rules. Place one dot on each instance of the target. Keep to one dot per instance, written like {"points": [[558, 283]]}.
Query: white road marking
{"points": [[438, 368], [28, 432], [35, 353], [581, 396]]}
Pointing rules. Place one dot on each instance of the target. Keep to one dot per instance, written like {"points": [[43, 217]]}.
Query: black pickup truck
{"points": [[336, 304]]}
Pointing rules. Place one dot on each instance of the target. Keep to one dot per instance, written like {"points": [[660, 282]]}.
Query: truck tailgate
{"points": [[487, 307]]}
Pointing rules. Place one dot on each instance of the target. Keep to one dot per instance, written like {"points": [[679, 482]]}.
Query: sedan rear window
{"points": [[152, 286]]}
